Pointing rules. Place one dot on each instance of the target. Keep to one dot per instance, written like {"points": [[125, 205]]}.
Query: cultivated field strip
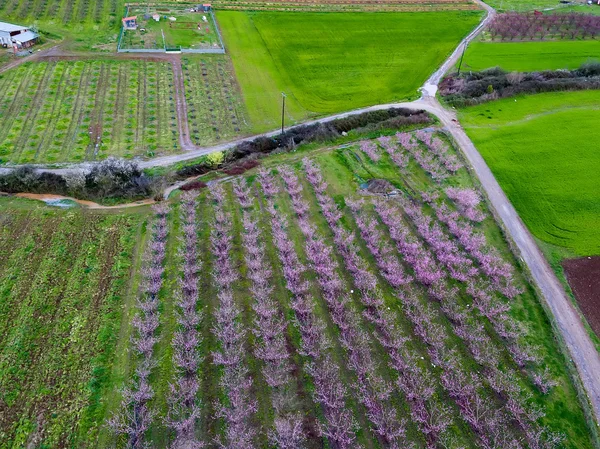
{"points": [[60, 294], [326, 317], [86, 110], [215, 108], [65, 12]]}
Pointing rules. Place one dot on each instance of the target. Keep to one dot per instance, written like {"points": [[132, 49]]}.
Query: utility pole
{"points": [[282, 111], [461, 57]]}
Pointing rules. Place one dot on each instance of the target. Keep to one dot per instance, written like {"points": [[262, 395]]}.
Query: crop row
{"points": [[215, 108], [536, 26], [66, 11], [74, 111], [63, 277]]}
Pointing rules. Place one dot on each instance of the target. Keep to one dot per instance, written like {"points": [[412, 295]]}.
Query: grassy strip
{"points": [[530, 56], [541, 150]]}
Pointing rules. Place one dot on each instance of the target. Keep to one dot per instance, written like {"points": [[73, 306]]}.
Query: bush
{"points": [[317, 132], [589, 69], [193, 185], [241, 167], [478, 87], [27, 179], [111, 178]]}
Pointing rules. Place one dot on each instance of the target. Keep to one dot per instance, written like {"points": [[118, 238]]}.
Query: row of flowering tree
{"points": [[436, 159], [471, 331], [487, 420], [371, 389], [494, 282], [135, 414], [440, 149], [270, 327], [184, 406], [414, 380], [466, 388], [426, 159], [239, 406], [330, 393], [531, 26]]}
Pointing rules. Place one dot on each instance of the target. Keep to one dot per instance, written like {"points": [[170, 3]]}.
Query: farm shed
{"points": [[11, 35], [130, 23], [206, 7]]}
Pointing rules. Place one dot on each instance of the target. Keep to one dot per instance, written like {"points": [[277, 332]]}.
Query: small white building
{"points": [[16, 35]]}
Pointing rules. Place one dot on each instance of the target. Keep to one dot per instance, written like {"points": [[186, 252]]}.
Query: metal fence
{"points": [[165, 49]]}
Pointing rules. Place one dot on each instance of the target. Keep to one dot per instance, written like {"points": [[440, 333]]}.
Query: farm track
{"points": [[568, 321], [181, 106]]}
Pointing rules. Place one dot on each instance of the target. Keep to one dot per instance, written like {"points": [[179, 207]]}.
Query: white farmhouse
{"points": [[16, 35]]}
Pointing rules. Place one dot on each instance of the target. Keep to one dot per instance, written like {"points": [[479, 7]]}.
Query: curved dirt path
{"points": [[47, 198]]}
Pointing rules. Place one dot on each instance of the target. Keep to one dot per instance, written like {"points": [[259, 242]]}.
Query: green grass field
{"points": [[543, 151], [530, 56], [332, 62]]}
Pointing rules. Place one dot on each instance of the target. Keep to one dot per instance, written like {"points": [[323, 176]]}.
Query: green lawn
{"points": [[543, 150], [530, 56], [331, 62]]}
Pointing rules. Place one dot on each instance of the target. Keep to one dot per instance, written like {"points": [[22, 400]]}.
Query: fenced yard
{"points": [[171, 29]]}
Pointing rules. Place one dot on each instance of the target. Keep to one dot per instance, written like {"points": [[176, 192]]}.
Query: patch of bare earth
{"points": [[584, 278]]}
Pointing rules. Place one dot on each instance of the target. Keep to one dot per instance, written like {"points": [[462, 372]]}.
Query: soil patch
{"points": [[584, 278]]}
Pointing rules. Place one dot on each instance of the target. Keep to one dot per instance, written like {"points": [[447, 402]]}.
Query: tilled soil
{"points": [[583, 275]]}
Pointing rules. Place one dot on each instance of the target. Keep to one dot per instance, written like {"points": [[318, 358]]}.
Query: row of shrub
{"points": [[366, 122], [477, 87], [124, 180], [109, 179]]}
